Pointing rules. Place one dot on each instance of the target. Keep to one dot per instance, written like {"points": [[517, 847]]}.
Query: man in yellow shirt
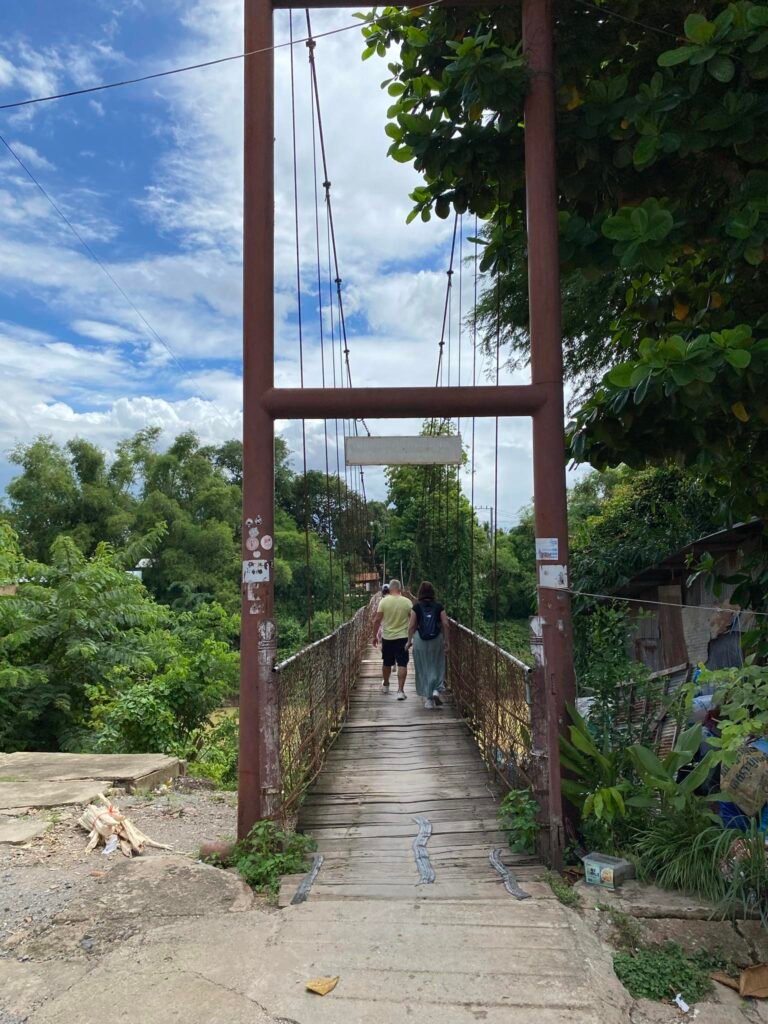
{"points": [[393, 615]]}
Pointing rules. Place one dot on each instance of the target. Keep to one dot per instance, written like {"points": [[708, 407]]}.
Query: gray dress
{"points": [[429, 662]]}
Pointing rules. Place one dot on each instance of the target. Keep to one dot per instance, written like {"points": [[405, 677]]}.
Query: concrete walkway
{"points": [[167, 940]]}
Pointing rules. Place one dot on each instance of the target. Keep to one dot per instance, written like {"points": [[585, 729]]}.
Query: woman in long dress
{"points": [[428, 636]]}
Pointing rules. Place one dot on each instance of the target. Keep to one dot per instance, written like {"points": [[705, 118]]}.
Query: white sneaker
{"points": [[436, 699], [429, 704], [385, 687], [400, 695]]}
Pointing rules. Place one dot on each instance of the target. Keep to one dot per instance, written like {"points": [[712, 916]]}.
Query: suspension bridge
{"points": [[300, 719], [414, 897]]}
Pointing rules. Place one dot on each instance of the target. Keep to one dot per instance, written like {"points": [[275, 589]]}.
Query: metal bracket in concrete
{"points": [[309, 880], [423, 863], [510, 883]]}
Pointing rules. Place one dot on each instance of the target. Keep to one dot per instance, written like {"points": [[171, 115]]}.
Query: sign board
{"points": [[547, 549], [442, 450]]}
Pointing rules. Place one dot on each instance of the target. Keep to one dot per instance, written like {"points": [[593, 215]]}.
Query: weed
{"points": [[268, 852], [626, 930], [565, 893], [660, 972], [517, 818]]}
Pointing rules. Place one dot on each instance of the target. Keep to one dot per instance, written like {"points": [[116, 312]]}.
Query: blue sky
{"points": [[151, 176]]}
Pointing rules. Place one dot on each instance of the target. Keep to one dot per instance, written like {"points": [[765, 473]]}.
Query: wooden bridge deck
{"points": [[393, 762]]}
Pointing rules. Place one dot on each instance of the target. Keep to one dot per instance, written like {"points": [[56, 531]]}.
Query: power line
{"points": [[187, 67], [93, 255], [659, 604], [630, 21]]}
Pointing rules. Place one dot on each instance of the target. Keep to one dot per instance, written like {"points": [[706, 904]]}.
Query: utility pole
{"points": [[556, 674], [259, 765]]}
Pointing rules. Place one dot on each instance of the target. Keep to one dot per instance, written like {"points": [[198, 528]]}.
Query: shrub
{"points": [[660, 972], [517, 818], [268, 852]]}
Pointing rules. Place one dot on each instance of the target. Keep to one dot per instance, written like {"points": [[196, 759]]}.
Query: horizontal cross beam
{"points": [[321, 4], [396, 403]]}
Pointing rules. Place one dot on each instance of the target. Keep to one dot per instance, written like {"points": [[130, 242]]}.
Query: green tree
{"points": [[68, 625], [663, 197]]}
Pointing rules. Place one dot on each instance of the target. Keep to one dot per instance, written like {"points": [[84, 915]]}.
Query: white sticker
{"points": [[256, 571], [266, 542], [547, 549], [554, 577]]}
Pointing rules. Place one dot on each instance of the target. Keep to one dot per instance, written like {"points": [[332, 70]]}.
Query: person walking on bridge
{"points": [[393, 615], [428, 636]]}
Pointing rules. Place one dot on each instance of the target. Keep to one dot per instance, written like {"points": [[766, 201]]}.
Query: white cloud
{"points": [[99, 331], [31, 157]]}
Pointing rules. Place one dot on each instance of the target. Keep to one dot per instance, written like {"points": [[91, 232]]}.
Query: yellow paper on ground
{"points": [[322, 986]]}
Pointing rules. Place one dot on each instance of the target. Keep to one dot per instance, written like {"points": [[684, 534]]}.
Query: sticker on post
{"points": [[547, 549], [553, 577], [256, 571]]}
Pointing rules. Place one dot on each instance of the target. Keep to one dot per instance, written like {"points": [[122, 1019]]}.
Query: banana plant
{"points": [[597, 785], [660, 776]]}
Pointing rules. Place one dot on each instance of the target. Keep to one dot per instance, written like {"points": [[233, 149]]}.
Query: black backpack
{"points": [[429, 621]]}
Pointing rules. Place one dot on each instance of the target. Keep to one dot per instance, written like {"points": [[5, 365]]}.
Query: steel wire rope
{"points": [[457, 544], [311, 43], [299, 316], [340, 500], [332, 522], [472, 446], [495, 538]]}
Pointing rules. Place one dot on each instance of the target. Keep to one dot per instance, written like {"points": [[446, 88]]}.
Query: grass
{"points": [[565, 893]]}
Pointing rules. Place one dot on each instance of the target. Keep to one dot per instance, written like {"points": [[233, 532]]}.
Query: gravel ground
{"points": [[39, 879]]}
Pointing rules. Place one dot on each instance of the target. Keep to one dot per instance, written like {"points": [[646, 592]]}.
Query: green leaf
{"points": [[620, 376], [721, 68], [642, 390], [645, 150], [698, 29], [757, 16], [647, 761], [671, 57], [739, 358]]}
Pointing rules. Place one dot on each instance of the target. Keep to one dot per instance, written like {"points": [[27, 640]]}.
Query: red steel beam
{"points": [[549, 487], [394, 403], [322, 4], [259, 766]]}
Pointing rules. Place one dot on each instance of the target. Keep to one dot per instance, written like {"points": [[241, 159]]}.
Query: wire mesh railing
{"points": [[314, 692], [492, 690]]}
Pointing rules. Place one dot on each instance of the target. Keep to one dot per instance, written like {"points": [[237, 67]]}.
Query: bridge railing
{"points": [[314, 692], [492, 689]]}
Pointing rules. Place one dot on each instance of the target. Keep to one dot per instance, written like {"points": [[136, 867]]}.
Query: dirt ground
{"points": [[40, 878]]}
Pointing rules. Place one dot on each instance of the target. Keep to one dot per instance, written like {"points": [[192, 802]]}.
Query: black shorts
{"points": [[394, 652]]}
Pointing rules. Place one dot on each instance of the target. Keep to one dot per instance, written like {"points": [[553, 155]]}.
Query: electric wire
{"points": [[95, 257], [103, 86]]}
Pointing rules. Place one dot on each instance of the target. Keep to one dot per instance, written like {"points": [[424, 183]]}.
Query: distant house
{"points": [[369, 581], [678, 627]]}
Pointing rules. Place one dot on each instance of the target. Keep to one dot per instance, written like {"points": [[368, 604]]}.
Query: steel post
{"points": [[259, 782], [550, 498]]}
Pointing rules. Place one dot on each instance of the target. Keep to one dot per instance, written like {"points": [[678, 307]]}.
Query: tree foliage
{"points": [[663, 197]]}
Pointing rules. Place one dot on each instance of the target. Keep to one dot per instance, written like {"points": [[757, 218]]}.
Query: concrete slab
{"points": [[647, 901], [19, 795], [24, 986], [14, 831], [129, 771], [698, 936]]}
